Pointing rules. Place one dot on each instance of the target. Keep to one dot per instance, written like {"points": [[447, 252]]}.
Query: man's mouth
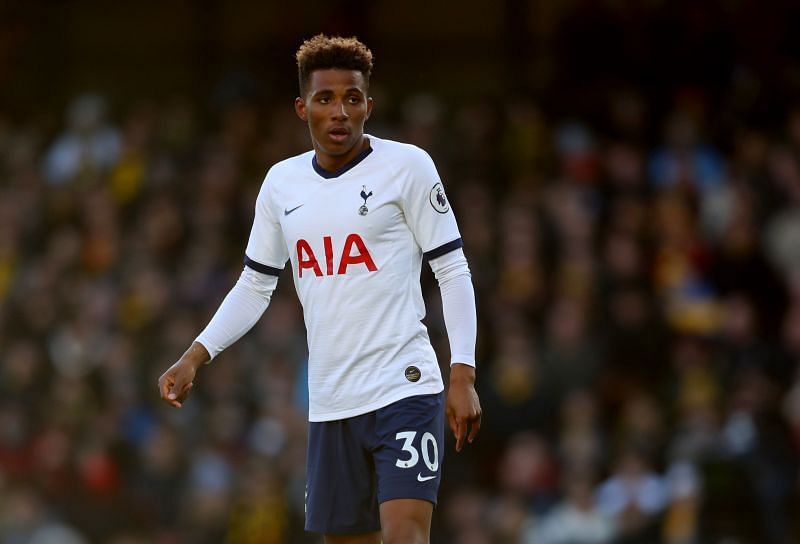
{"points": [[338, 134]]}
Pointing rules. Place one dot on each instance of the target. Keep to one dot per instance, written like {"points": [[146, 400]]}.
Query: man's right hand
{"points": [[174, 384]]}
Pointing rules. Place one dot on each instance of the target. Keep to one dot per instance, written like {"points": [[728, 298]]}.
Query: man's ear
{"points": [[300, 108], [369, 106]]}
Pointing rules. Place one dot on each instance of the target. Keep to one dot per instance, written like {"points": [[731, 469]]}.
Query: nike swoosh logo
{"points": [[287, 211], [421, 478]]}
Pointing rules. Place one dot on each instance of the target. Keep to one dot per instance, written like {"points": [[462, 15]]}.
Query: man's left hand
{"points": [[463, 407]]}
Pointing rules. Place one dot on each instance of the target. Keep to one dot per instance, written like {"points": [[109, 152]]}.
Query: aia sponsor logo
{"points": [[354, 252]]}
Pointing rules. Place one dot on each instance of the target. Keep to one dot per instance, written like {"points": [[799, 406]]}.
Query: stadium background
{"points": [[627, 181]]}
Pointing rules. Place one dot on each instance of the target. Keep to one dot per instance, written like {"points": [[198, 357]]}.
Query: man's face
{"points": [[335, 107]]}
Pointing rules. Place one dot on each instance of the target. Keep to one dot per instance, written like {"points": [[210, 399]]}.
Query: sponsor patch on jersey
{"points": [[438, 199], [413, 374]]}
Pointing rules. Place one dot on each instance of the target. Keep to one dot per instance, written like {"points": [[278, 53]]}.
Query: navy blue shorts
{"points": [[355, 464]]}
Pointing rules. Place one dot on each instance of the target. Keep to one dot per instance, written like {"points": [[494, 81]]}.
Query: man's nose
{"points": [[339, 111]]}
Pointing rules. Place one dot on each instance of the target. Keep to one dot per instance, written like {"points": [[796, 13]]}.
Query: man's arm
{"points": [[433, 224], [458, 305], [241, 309]]}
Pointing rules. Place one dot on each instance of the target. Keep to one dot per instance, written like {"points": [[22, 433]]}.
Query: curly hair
{"points": [[323, 52]]}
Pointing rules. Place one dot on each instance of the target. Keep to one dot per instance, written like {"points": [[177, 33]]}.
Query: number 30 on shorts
{"points": [[427, 445]]}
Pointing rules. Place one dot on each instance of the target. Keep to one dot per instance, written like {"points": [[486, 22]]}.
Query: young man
{"points": [[355, 217]]}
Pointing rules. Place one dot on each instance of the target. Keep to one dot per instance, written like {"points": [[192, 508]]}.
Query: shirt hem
{"points": [[430, 389]]}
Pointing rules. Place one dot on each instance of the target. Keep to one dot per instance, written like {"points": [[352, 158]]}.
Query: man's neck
{"points": [[333, 163]]}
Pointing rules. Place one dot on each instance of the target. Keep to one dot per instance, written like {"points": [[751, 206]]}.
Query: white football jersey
{"points": [[355, 239]]}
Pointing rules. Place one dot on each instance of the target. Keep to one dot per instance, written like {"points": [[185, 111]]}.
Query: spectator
{"points": [[88, 147]]}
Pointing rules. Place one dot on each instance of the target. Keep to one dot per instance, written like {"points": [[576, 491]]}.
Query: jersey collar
{"points": [[354, 161]]}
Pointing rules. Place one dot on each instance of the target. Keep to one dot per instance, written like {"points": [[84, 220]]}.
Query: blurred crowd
{"points": [[638, 283]]}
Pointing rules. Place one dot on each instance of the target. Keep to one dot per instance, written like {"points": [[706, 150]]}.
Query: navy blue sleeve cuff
{"points": [[258, 267], [443, 249]]}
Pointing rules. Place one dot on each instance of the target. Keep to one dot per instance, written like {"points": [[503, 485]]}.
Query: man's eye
{"points": [[324, 100], [354, 100]]}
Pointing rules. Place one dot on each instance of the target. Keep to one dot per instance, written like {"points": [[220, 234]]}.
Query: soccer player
{"points": [[355, 216]]}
